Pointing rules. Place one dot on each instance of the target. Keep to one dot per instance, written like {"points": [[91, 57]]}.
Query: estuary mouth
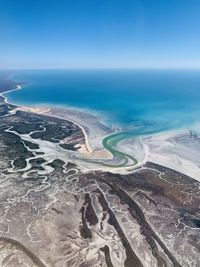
{"points": [[85, 187]]}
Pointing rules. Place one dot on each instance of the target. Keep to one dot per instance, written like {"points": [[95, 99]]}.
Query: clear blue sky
{"points": [[99, 33]]}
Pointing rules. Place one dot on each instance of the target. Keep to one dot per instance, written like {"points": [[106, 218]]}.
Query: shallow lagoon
{"points": [[154, 99]]}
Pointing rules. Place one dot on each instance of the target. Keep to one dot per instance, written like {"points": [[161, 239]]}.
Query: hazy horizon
{"points": [[104, 68]]}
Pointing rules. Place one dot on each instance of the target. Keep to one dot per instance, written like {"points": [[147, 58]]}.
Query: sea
{"points": [[149, 100]]}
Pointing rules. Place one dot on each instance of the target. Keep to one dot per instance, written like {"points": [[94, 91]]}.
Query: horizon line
{"points": [[108, 68]]}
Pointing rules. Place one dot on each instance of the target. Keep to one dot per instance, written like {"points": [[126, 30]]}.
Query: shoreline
{"points": [[30, 109], [159, 148], [94, 132], [50, 111]]}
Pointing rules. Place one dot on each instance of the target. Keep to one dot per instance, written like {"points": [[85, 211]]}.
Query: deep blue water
{"points": [[162, 99]]}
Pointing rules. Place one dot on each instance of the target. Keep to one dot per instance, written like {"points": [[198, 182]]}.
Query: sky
{"points": [[99, 34]]}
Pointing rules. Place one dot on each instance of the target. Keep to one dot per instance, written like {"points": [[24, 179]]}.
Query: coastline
{"points": [[5, 99], [33, 110], [94, 132], [97, 150], [160, 148]]}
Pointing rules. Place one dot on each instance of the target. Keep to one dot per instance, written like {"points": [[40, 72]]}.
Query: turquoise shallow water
{"points": [[156, 100]]}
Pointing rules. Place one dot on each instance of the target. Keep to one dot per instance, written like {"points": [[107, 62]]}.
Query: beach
{"points": [[172, 149], [83, 186]]}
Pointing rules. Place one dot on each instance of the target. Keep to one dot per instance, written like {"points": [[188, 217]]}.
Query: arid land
{"points": [[56, 211]]}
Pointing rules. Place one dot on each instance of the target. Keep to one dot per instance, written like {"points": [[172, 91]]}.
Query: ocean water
{"points": [[153, 100]]}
